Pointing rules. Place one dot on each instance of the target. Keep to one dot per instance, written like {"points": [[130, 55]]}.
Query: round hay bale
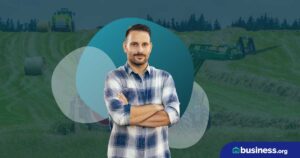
{"points": [[33, 66]]}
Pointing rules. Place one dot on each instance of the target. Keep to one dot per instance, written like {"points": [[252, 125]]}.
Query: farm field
{"points": [[256, 98]]}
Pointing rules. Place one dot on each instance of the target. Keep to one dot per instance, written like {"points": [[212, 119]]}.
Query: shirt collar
{"points": [[129, 70]]}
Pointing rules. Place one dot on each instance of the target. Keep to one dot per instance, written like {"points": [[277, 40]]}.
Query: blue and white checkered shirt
{"points": [[155, 87]]}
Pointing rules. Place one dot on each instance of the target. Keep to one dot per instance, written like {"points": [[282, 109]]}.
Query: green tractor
{"points": [[62, 21], [202, 52]]}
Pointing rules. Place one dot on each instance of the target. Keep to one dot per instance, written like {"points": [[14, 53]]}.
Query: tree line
{"points": [[266, 22], [193, 23], [9, 25]]}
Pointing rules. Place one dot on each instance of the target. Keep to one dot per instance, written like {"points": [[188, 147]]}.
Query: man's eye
{"points": [[134, 44], [145, 44]]}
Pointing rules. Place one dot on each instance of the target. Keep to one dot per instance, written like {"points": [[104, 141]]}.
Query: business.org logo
{"points": [[236, 150], [258, 150]]}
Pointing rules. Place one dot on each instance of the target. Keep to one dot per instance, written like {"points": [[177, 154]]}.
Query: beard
{"points": [[139, 59]]}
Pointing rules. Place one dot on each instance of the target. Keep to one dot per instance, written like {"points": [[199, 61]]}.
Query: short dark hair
{"points": [[138, 27]]}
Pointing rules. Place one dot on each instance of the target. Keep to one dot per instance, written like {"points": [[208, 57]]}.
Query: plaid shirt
{"points": [[155, 87]]}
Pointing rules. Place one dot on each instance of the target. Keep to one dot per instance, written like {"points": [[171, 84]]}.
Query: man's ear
{"points": [[124, 47], [151, 46]]}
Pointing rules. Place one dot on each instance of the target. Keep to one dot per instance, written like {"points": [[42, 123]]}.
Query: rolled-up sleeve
{"points": [[170, 100], [119, 113]]}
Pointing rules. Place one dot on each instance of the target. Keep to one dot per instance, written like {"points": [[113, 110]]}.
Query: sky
{"points": [[92, 13]]}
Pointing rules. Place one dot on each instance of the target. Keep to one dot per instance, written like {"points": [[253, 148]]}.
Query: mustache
{"points": [[139, 54]]}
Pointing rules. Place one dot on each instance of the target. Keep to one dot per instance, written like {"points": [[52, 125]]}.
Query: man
{"points": [[141, 100]]}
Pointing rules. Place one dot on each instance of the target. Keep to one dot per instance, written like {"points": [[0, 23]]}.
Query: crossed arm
{"points": [[152, 115]]}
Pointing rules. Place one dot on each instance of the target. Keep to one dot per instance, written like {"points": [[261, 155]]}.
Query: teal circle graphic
{"points": [[169, 53]]}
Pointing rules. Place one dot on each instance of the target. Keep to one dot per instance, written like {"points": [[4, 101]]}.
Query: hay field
{"points": [[255, 98]]}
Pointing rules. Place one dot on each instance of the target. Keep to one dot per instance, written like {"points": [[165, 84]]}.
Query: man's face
{"points": [[138, 47]]}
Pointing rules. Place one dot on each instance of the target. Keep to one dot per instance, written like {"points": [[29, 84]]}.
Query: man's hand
{"points": [[123, 98], [158, 107]]}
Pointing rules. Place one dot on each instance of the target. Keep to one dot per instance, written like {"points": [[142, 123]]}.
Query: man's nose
{"points": [[140, 48]]}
